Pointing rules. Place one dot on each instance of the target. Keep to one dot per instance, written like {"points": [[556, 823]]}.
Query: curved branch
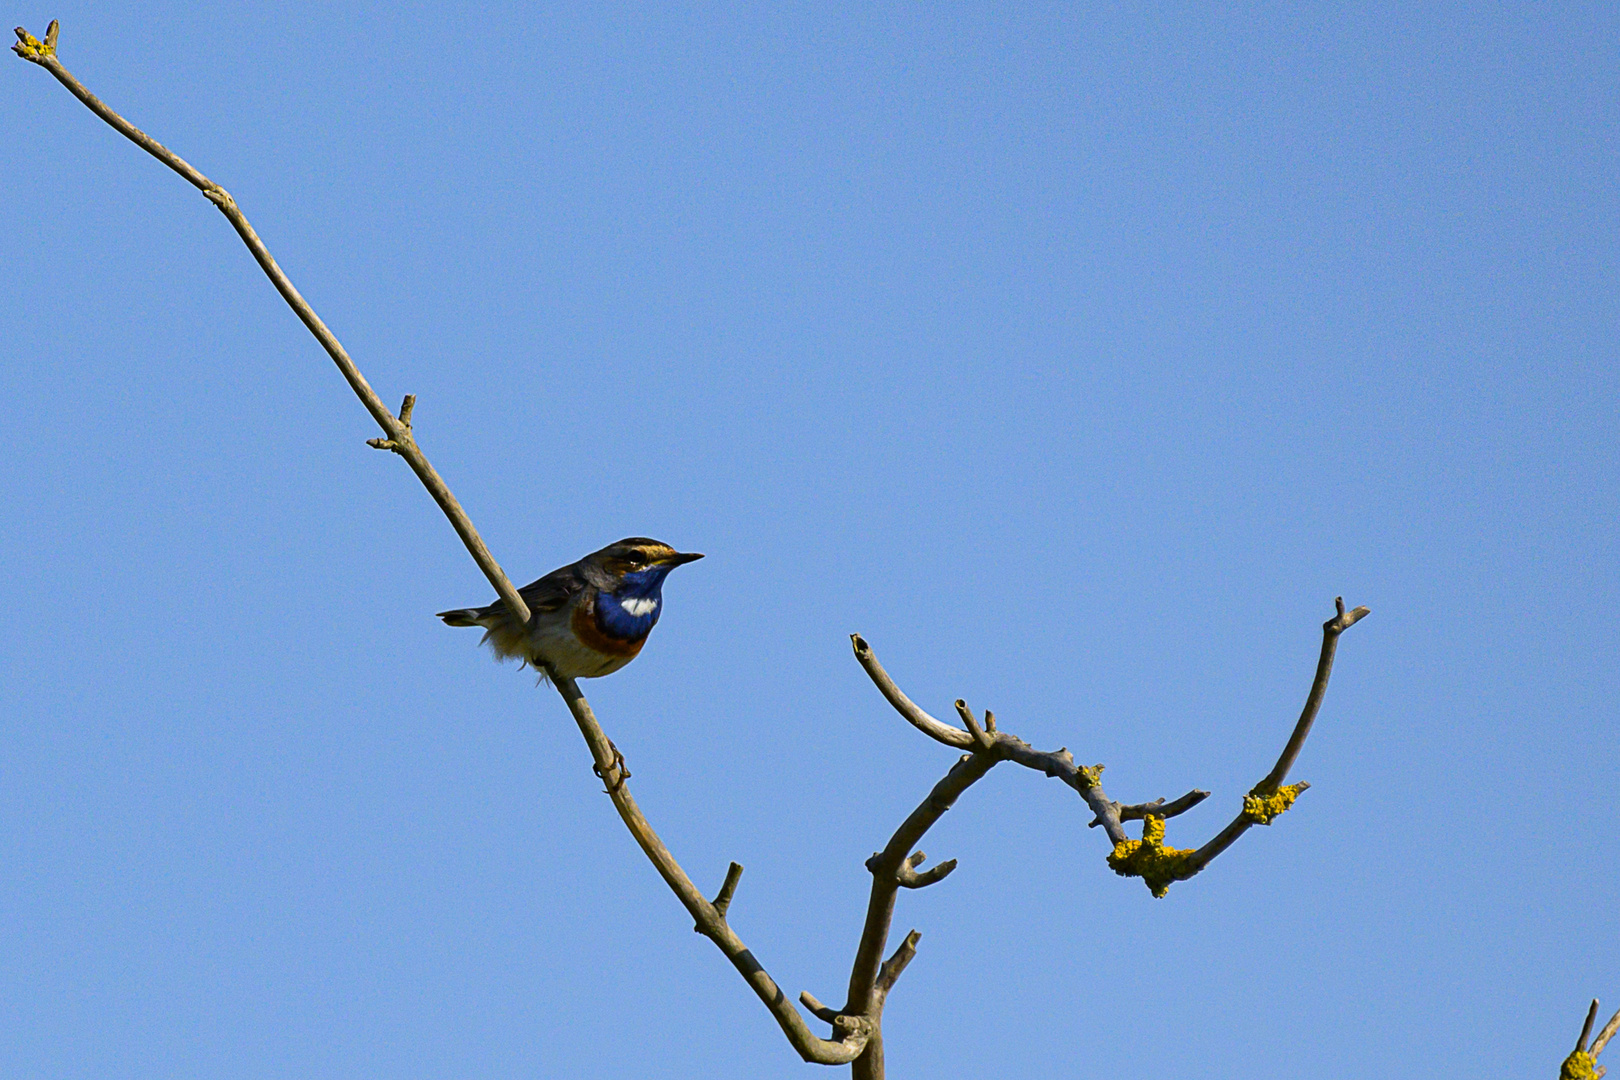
{"points": [[1341, 621], [986, 741], [1000, 744], [934, 729], [397, 430]]}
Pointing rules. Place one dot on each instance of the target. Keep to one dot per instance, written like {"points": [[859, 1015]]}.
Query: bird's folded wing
{"points": [[554, 591]]}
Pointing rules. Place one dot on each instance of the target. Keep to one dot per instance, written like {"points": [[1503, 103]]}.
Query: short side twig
{"points": [[889, 973], [1586, 1028], [910, 878], [722, 901], [1159, 808]]}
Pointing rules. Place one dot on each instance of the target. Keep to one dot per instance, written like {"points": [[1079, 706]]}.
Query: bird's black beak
{"points": [[683, 557]]}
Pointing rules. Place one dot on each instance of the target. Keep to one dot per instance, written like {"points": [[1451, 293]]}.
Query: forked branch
{"points": [[1148, 857], [1582, 1062]]}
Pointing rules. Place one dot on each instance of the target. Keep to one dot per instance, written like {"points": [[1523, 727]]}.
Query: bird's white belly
{"points": [[553, 646]]}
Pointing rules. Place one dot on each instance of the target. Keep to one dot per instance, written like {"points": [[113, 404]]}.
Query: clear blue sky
{"points": [[1077, 357]]}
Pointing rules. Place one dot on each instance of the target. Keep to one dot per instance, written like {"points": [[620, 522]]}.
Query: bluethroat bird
{"points": [[588, 618]]}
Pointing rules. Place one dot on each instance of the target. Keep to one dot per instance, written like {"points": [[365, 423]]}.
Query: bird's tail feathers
{"points": [[461, 617]]}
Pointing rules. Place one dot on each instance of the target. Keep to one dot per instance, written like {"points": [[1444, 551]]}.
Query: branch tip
{"points": [[817, 1009], [31, 48], [889, 973], [981, 739], [915, 716], [1343, 620], [405, 409], [908, 876], [1586, 1028]]}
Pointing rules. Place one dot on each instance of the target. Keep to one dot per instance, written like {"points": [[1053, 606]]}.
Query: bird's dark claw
{"points": [[620, 770]]}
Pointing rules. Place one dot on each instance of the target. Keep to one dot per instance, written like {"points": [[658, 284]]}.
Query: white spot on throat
{"points": [[639, 605]]}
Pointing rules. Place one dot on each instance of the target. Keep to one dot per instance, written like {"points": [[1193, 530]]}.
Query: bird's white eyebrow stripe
{"points": [[639, 605]]}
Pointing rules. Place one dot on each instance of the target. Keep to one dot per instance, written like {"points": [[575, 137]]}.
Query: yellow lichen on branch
{"points": [[30, 47], [1149, 859], [1262, 807], [1578, 1066]]}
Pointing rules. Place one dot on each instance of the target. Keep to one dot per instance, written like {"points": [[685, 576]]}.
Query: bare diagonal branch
{"points": [[399, 437], [886, 867], [1606, 1034], [870, 977], [709, 919]]}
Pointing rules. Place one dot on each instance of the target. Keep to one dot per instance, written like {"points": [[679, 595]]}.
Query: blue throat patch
{"points": [[631, 611]]}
